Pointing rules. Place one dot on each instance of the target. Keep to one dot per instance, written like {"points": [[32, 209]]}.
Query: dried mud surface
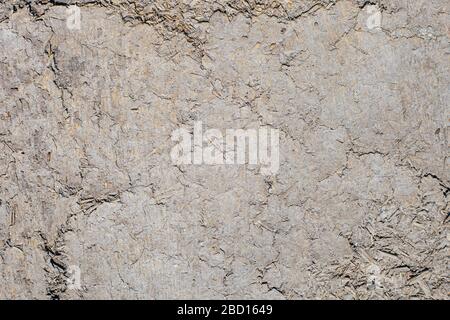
{"points": [[358, 209]]}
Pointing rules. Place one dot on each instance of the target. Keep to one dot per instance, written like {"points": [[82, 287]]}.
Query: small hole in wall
{"points": [[316, 24]]}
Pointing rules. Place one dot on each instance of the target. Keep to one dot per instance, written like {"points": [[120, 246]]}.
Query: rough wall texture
{"points": [[358, 209]]}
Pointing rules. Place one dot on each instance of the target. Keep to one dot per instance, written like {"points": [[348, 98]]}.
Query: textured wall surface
{"points": [[92, 206]]}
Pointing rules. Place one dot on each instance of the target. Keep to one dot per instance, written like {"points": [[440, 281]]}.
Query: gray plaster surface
{"points": [[92, 206]]}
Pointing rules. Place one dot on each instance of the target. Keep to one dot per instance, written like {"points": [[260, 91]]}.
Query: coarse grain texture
{"points": [[358, 209]]}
